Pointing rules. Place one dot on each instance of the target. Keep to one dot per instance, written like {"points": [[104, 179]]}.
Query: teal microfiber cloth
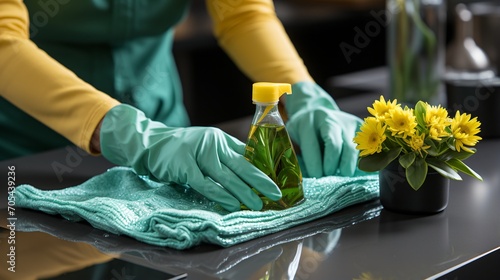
{"points": [[121, 202]]}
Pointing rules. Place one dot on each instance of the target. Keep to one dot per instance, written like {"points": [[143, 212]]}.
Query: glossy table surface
{"points": [[361, 242]]}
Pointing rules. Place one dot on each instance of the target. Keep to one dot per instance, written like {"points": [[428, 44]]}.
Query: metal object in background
{"points": [[471, 85], [464, 59], [486, 19]]}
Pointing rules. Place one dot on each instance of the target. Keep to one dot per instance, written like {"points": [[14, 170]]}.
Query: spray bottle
{"points": [[269, 147]]}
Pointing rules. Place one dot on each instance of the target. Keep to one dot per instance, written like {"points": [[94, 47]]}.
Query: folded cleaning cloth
{"points": [[177, 216]]}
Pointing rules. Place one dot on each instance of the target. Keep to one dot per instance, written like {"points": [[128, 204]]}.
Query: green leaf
{"points": [[462, 155], [443, 169], [433, 150], [420, 113], [416, 173], [444, 147], [407, 159], [378, 161], [451, 143], [436, 148], [459, 165], [288, 177]]}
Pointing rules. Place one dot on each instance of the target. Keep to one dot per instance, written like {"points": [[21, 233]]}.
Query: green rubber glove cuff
{"points": [[123, 140]]}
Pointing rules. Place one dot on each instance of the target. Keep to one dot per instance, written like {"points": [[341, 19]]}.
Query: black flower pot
{"points": [[397, 195]]}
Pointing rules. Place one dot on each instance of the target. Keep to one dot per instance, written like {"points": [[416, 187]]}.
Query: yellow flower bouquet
{"points": [[419, 138]]}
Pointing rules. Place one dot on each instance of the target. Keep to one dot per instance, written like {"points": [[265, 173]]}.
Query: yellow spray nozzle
{"points": [[264, 92]]}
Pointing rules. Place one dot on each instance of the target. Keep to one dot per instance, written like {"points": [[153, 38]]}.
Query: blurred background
{"points": [[323, 31]]}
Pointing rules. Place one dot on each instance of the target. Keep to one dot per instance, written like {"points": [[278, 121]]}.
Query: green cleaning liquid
{"points": [[269, 148]]}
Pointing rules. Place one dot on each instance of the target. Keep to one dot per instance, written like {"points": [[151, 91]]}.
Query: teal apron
{"points": [[121, 47]]}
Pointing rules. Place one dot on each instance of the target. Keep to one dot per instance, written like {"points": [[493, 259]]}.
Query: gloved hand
{"points": [[207, 159], [323, 132]]}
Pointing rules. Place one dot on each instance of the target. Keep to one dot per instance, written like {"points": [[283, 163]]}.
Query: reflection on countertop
{"points": [[66, 248]]}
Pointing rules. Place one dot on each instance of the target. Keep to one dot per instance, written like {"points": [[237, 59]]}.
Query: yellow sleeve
{"points": [[252, 35], [40, 86]]}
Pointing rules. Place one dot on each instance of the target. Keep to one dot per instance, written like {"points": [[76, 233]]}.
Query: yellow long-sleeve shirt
{"points": [[40, 86], [248, 30]]}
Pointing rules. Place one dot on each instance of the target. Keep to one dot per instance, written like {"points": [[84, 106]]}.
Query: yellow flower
{"points": [[367, 276], [369, 140], [416, 143], [464, 131], [416, 138], [436, 118], [401, 122], [381, 108]]}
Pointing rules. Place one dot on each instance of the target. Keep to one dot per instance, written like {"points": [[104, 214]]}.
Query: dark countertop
{"points": [[361, 242]]}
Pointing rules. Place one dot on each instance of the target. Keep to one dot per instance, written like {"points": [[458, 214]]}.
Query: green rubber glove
{"points": [[205, 158], [323, 132]]}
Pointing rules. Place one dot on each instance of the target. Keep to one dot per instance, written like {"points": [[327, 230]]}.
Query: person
{"points": [[81, 72]]}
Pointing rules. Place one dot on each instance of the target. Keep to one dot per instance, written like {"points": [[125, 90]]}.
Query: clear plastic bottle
{"points": [[269, 147]]}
